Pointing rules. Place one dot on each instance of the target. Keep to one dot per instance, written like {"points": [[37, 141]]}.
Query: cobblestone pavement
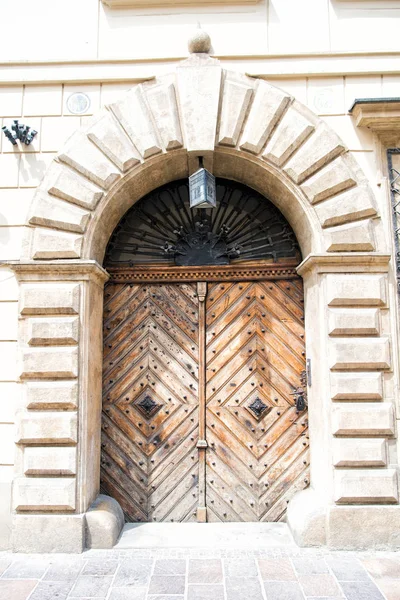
{"points": [[275, 574]]}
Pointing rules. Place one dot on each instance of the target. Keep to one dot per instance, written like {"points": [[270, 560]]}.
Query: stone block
{"points": [[104, 522], [134, 115], [163, 106], [316, 152], [306, 517], [363, 527], [111, 139], [49, 211], [51, 395], [356, 386], [361, 452], [336, 177], [352, 205], [72, 187], [48, 244], [50, 298], [361, 353], [350, 321], [356, 290], [44, 494], [357, 237], [87, 159], [41, 533], [49, 362], [198, 85], [365, 486], [52, 460], [363, 419], [289, 135], [267, 108], [236, 97], [47, 427], [56, 331]]}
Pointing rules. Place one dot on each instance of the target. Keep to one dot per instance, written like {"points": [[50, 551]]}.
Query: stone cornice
{"points": [[55, 270], [160, 3], [131, 70], [381, 115], [355, 262]]}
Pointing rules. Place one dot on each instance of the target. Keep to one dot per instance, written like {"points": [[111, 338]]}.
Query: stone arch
{"points": [[245, 128], [252, 132]]}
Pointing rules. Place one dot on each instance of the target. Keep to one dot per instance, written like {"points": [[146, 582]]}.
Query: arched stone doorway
{"points": [[203, 353], [253, 133]]}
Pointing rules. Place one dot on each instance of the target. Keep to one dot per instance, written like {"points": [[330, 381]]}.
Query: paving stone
{"points": [[16, 590], [100, 568], [390, 588], [67, 570], [133, 572], [171, 584], [129, 593], [361, 590], [51, 590], [283, 590], [22, 568], [279, 569], [165, 566], [383, 567], [238, 588], [319, 585], [164, 597], [347, 568], [205, 570], [89, 585], [310, 566], [4, 564], [203, 592], [240, 567]]}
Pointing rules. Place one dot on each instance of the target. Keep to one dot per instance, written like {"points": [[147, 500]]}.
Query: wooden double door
{"points": [[199, 418]]}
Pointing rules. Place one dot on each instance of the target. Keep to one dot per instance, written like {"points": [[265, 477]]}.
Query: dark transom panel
{"points": [[161, 228]]}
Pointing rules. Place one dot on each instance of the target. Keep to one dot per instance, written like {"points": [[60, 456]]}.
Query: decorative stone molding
{"points": [[381, 115]]}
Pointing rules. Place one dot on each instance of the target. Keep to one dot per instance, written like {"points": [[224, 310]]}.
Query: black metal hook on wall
{"points": [[23, 133]]}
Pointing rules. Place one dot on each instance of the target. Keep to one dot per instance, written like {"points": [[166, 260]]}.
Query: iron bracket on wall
{"points": [[23, 133]]}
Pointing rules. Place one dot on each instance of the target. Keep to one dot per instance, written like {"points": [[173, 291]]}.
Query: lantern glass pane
{"points": [[202, 189]]}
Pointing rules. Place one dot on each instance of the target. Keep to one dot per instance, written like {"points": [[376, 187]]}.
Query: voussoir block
{"points": [[68, 185], [357, 237], [44, 493], [49, 298], [49, 244], [350, 321], [51, 395], [49, 211], [356, 290], [236, 97], [318, 150], [289, 135], [356, 386], [336, 177], [47, 427], [360, 354], [46, 363], [350, 206], [366, 486], [267, 109], [161, 99], [51, 460], [363, 419], [361, 452], [56, 331]]}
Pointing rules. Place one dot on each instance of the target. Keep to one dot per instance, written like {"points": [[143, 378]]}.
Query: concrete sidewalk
{"points": [[280, 573]]}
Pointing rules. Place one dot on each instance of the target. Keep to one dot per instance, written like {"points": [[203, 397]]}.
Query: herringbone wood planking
{"points": [[255, 350], [149, 461]]}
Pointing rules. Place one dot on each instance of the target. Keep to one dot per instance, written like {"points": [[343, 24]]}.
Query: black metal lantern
{"points": [[202, 189]]}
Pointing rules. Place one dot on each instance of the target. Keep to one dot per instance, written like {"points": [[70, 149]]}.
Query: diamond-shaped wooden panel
{"points": [[255, 356], [150, 408]]}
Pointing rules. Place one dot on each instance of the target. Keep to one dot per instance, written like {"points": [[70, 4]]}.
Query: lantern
{"points": [[202, 189]]}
